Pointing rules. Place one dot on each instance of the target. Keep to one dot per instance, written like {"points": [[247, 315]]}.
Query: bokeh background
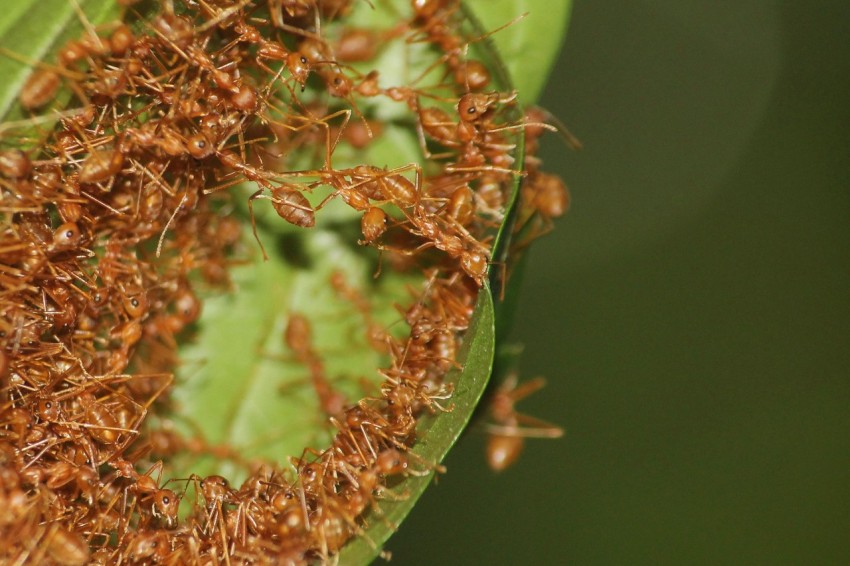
{"points": [[691, 312]]}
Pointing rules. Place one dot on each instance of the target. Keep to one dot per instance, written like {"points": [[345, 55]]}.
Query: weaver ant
{"points": [[509, 429], [298, 336]]}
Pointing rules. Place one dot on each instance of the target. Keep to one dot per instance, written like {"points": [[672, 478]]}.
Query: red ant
{"points": [[165, 503], [298, 336], [509, 429]]}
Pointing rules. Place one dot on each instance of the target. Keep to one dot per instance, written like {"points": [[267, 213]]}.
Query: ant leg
{"points": [[251, 199]]}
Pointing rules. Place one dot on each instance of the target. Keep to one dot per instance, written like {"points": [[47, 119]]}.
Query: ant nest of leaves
{"points": [[122, 216]]}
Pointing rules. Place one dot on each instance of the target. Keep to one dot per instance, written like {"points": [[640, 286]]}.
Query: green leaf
{"points": [[32, 31], [436, 434], [529, 46], [238, 382]]}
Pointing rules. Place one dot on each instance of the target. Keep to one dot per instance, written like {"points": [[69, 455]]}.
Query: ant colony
{"points": [[203, 137]]}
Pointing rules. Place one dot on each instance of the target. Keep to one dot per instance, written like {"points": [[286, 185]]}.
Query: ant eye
{"points": [[199, 146], [67, 236], [136, 306]]}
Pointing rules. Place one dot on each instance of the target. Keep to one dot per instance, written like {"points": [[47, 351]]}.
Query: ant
{"points": [[165, 503], [376, 335], [509, 429], [298, 336]]}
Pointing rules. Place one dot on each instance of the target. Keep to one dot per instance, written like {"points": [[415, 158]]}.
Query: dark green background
{"points": [[691, 312]]}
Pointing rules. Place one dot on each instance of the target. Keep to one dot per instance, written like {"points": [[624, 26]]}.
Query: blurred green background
{"points": [[691, 312]]}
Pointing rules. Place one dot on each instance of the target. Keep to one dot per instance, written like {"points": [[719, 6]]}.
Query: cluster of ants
{"points": [[118, 218]]}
